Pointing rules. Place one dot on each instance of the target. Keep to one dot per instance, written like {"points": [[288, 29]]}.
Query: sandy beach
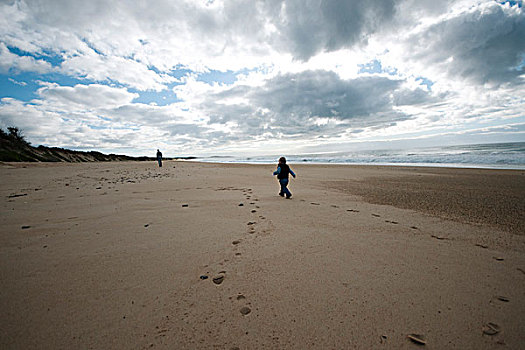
{"points": [[126, 255]]}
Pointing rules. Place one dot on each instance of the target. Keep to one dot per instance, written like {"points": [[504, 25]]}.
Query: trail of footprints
{"points": [[489, 328], [392, 222], [357, 211], [253, 229], [219, 279]]}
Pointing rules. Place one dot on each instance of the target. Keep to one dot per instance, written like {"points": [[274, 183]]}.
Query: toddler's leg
{"points": [[283, 188]]}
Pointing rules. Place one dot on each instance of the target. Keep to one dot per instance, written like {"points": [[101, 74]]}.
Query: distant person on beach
{"points": [[282, 172], [159, 158]]}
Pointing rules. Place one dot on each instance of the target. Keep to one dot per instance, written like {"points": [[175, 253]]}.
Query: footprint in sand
{"points": [[491, 328], [417, 338], [245, 310], [218, 280], [17, 195]]}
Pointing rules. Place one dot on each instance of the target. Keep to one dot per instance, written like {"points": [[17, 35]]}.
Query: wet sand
{"points": [[126, 255], [474, 196]]}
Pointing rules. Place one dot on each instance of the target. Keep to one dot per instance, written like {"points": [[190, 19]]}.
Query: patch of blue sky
{"points": [[18, 87], [177, 73], [92, 47], [371, 67], [426, 82], [151, 68], [375, 67], [162, 98], [518, 3], [521, 65], [97, 127], [65, 80], [47, 56], [24, 85], [221, 77]]}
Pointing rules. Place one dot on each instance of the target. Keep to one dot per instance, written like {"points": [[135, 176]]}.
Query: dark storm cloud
{"points": [[485, 45], [307, 101], [324, 94], [312, 26]]}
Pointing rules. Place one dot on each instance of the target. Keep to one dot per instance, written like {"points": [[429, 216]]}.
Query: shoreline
{"points": [[198, 160], [402, 165]]}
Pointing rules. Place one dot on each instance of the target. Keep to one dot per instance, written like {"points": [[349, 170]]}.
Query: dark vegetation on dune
{"points": [[14, 148]]}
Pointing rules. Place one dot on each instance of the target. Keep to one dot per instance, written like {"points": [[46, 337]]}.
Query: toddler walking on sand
{"points": [[282, 172]]}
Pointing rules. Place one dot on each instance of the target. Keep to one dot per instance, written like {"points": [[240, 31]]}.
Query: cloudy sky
{"points": [[248, 77]]}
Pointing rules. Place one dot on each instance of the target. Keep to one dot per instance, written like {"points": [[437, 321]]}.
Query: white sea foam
{"points": [[496, 155]]}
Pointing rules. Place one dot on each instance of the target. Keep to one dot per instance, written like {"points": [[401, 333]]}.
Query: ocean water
{"points": [[492, 156]]}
